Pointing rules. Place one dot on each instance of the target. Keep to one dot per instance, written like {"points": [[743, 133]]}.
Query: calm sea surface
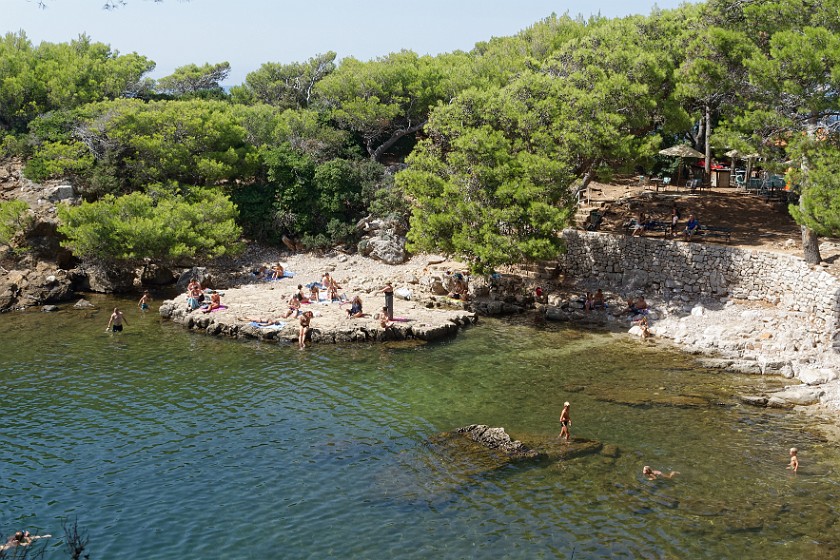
{"points": [[168, 444]]}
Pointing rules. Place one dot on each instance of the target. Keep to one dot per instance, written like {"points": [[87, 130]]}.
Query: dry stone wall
{"points": [[693, 272]]}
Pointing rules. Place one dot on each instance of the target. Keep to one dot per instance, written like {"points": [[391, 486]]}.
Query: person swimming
{"points": [[652, 474]]}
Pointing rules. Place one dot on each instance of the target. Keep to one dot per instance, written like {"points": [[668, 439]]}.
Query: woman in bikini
{"points": [[305, 319], [355, 310]]}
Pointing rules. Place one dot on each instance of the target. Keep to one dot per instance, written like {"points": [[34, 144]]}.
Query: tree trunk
{"points": [[810, 246], [584, 185], [377, 153], [708, 167], [810, 243]]}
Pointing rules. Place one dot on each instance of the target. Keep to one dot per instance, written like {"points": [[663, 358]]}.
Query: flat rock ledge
{"points": [[479, 447], [247, 306]]}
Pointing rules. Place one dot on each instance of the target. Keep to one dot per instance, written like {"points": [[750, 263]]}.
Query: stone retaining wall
{"points": [[690, 272]]}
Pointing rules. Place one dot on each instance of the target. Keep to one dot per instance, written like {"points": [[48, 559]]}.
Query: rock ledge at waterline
{"points": [[423, 313]]}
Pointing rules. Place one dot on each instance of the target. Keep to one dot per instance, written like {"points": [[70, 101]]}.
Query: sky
{"points": [[248, 33]]}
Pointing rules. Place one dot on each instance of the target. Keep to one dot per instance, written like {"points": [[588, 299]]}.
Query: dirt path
{"points": [[755, 223]]}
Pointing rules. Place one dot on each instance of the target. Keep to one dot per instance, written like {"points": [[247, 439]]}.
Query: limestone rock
{"points": [[386, 246], [109, 280], [754, 401], [498, 439], [61, 193], [816, 376], [797, 395]]}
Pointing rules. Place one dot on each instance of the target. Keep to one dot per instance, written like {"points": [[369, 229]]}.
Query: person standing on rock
{"points": [[388, 290], [305, 319], [115, 323], [565, 422]]}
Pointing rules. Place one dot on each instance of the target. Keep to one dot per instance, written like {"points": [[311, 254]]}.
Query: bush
{"points": [[163, 228], [14, 218]]}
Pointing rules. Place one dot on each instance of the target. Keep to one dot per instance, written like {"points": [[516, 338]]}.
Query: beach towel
{"points": [[286, 274], [268, 326]]}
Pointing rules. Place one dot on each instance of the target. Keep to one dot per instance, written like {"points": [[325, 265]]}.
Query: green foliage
{"points": [[499, 137], [34, 80], [256, 212], [819, 204], [140, 143], [286, 86], [14, 145], [313, 198], [14, 218], [164, 228], [389, 201], [792, 97], [489, 185], [386, 99], [195, 80], [55, 159]]}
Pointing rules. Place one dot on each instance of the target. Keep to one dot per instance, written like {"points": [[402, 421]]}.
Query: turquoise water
{"points": [[169, 444]]}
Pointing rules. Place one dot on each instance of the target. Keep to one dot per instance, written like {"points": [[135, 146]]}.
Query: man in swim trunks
{"points": [[565, 421], [115, 323], [144, 301]]}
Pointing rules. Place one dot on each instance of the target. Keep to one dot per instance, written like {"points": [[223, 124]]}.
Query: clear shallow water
{"points": [[170, 444]]}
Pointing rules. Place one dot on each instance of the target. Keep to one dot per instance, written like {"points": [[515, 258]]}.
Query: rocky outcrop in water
{"points": [[498, 439], [38, 284], [480, 448], [258, 311]]}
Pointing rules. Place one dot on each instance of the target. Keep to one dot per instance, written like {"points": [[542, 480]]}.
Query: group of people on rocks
{"points": [[637, 307], [594, 301], [331, 287]]}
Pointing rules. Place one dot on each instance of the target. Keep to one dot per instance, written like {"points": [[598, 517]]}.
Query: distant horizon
{"points": [[176, 33]]}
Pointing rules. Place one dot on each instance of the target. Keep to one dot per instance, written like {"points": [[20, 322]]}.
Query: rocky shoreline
{"points": [[256, 308], [740, 336]]}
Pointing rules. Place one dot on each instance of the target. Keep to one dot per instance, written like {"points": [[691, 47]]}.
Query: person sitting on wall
{"points": [[692, 227], [636, 306], [598, 301], [640, 225]]}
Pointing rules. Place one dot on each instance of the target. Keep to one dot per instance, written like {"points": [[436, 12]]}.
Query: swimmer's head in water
{"points": [[647, 470]]}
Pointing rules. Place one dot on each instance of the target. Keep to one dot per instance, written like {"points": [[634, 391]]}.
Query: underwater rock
{"points": [[753, 400]]}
